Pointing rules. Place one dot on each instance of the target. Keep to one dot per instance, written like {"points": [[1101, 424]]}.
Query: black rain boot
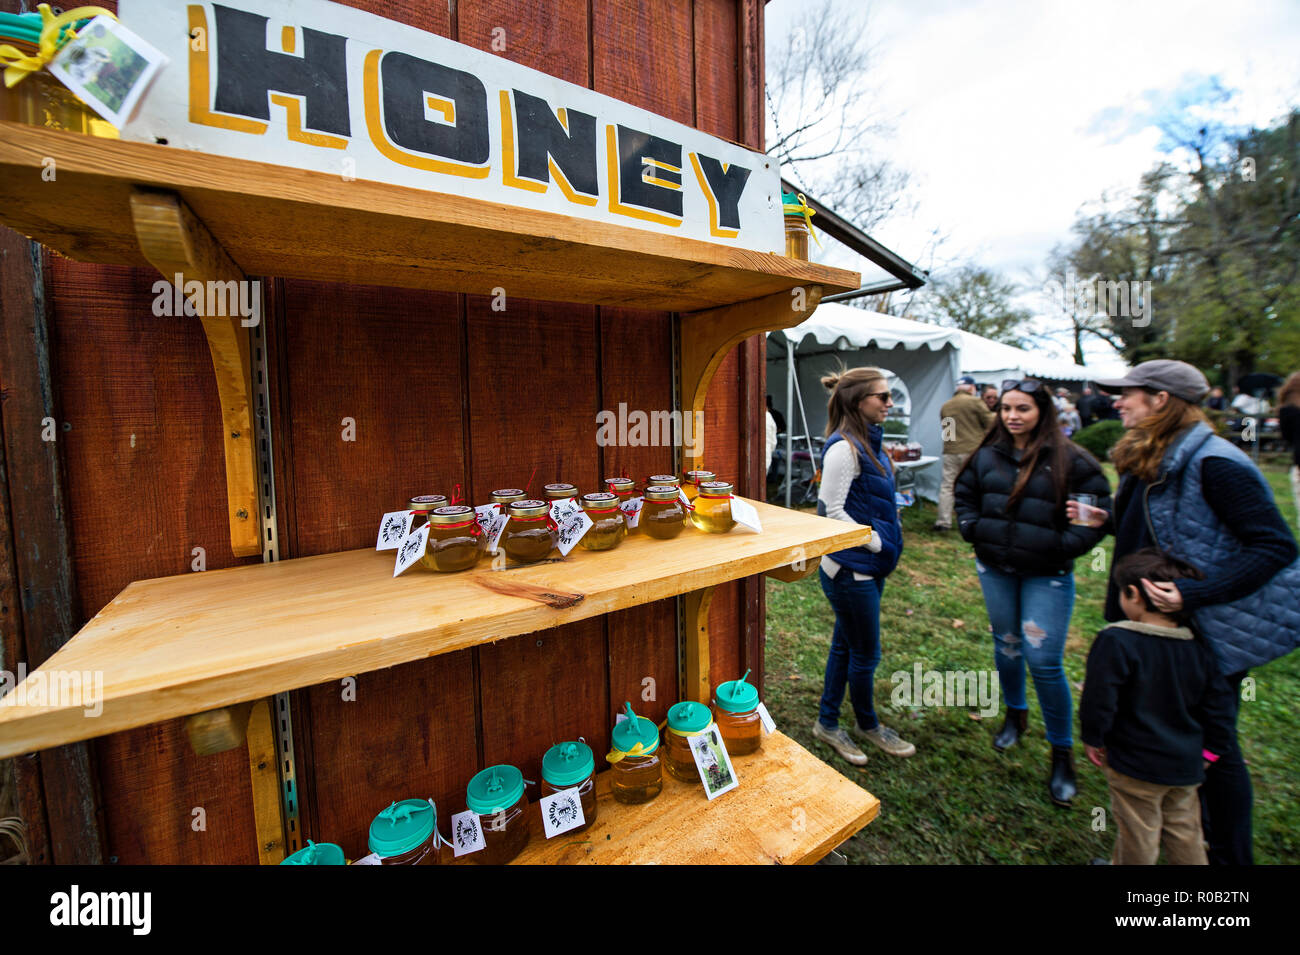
{"points": [[1061, 786], [1013, 727]]}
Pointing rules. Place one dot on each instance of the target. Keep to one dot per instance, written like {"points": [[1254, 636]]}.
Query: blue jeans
{"points": [[1030, 617], [855, 647]]}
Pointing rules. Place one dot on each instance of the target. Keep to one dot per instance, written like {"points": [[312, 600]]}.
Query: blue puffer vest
{"points": [[870, 501], [1257, 628]]}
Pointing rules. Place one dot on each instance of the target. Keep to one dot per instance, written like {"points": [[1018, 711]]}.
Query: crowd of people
{"points": [[1202, 586]]}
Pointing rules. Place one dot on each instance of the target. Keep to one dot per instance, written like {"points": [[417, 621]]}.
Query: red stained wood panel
{"points": [[643, 647], [432, 17], [642, 55], [551, 36], [716, 67]]}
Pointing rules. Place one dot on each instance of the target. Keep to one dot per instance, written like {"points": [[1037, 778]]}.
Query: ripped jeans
{"points": [[1030, 617]]}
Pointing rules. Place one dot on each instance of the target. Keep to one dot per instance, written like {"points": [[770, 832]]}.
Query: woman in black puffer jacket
{"points": [[1010, 501]]}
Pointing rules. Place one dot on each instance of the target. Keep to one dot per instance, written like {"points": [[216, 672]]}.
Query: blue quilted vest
{"points": [[1259, 627], [870, 501]]}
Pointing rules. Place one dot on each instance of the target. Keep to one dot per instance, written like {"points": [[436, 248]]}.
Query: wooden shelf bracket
{"points": [[695, 606], [177, 243]]}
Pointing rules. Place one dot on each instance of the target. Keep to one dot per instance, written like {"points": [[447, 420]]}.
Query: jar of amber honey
{"points": [[316, 853], [497, 795], [735, 710], [422, 504], [38, 98], [406, 833], [572, 766], [455, 540], [663, 515], [693, 480], [506, 496], [663, 480], [712, 511], [624, 488], [608, 526], [560, 492], [529, 534], [684, 721], [635, 774]]}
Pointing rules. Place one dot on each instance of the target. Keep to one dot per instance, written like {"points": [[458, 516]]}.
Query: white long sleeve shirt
{"points": [[840, 469]]}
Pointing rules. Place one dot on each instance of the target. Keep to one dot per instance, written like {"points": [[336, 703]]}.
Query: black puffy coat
{"points": [[1035, 538]]}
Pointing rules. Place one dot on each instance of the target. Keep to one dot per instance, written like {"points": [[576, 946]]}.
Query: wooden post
{"points": [[268, 810], [695, 607]]}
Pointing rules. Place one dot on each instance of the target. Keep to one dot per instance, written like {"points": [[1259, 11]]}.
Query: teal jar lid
{"points": [[494, 790], [316, 853], [401, 827], [633, 730], [737, 696], [20, 26], [688, 717], [567, 764]]}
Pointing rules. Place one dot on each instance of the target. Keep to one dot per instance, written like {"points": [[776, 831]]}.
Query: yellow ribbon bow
{"points": [[18, 64], [802, 209], [640, 749]]}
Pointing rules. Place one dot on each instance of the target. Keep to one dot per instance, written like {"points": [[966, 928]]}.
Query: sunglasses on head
{"points": [[1027, 385]]}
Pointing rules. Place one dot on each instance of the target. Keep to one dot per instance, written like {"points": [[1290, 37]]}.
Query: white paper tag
{"points": [[561, 812], [572, 522], [713, 762], [631, 511], [493, 522], [686, 501], [746, 514], [372, 859], [392, 529], [411, 549], [619, 718], [108, 67], [766, 719], [466, 833]]}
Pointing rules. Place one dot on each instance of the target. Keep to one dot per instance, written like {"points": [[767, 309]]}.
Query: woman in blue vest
{"points": [[857, 485], [1184, 489], [1011, 504]]}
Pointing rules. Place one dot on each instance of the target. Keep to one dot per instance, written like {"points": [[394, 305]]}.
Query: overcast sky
{"points": [[1012, 115]]}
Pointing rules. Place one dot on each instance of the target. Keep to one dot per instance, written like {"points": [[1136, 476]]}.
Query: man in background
{"points": [[964, 419]]}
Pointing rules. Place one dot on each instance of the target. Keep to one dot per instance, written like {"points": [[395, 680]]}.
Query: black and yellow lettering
{"points": [[723, 184], [539, 145], [644, 172]]}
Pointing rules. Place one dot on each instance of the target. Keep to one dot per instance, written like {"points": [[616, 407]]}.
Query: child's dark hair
{"points": [[1158, 567]]}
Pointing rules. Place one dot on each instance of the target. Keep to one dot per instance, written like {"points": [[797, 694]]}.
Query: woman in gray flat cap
{"points": [[1186, 490]]}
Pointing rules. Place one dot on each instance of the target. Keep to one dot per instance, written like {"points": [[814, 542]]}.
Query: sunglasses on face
{"points": [[1027, 385], [882, 395]]}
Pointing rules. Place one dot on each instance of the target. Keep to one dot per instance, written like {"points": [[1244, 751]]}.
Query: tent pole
{"points": [[789, 417]]}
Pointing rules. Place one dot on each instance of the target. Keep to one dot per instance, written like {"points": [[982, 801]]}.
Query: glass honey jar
{"points": [[530, 532], [456, 541], [663, 480], [624, 488], [712, 508], [497, 795], [422, 504], [663, 515], [608, 526], [560, 492], [406, 833], [572, 766], [735, 710], [39, 98], [685, 720], [316, 853], [693, 480], [636, 774], [504, 497]]}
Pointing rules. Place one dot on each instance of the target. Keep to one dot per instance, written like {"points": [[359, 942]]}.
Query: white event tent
{"points": [[990, 362]]}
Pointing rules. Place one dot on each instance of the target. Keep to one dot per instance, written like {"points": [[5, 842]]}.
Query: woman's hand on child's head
{"points": [[1164, 595], [1096, 755]]}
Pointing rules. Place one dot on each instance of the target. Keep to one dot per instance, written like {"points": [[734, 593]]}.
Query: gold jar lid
{"points": [[715, 489], [560, 491], [620, 485], [451, 514], [599, 501], [699, 477], [661, 492], [666, 480], [529, 508], [427, 502], [505, 495]]}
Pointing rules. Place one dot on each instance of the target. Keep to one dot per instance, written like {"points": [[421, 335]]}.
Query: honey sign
{"points": [[320, 86]]}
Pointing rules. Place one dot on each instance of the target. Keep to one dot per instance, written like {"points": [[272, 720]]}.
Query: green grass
{"points": [[958, 800]]}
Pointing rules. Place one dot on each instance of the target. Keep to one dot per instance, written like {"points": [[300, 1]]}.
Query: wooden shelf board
{"points": [[789, 809], [275, 220], [179, 645]]}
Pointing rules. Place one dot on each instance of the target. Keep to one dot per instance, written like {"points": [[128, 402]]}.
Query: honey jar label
{"points": [[393, 528], [466, 833], [632, 511], [713, 762], [571, 522], [561, 812], [766, 719], [746, 514], [686, 501], [492, 519], [372, 859], [411, 548]]}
